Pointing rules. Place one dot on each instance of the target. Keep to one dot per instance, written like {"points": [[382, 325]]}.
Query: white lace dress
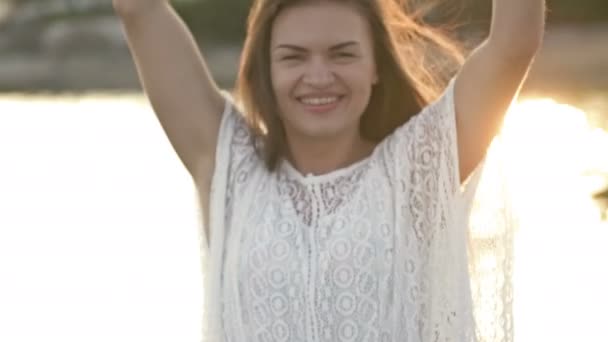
{"points": [[376, 251]]}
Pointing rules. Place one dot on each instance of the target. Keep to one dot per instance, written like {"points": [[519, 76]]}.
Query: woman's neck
{"points": [[324, 156]]}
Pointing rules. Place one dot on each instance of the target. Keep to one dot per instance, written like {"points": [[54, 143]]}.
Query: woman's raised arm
{"points": [[176, 80], [493, 74]]}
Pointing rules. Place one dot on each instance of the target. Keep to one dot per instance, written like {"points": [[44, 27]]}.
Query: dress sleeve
{"points": [[423, 153], [233, 147], [421, 157], [222, 149], [471, 224], [467, 227], [434, 140]]}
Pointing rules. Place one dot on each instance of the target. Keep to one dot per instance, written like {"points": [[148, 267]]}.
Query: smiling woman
{"points": [[322, 87], [337, 186], [364, 65]]}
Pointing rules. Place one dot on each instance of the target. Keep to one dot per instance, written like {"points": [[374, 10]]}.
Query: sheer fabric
{"points": [[378, 251]]}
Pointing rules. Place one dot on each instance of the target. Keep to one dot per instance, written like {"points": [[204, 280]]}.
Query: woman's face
{"points": [[322, 69]]}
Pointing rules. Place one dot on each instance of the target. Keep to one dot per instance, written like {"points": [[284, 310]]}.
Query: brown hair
{"points": [[414, 62]]}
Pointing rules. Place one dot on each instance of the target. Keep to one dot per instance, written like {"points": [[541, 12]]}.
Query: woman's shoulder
{"points": [[426, 144], [235, 127], [236, 148]]}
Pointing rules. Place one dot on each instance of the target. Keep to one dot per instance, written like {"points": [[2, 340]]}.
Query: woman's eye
{"points": [[290, 57], [345, 55]]}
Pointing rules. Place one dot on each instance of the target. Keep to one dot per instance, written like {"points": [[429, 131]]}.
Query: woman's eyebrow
{"points": [[302, 49], [343, 45], [290, 47]]}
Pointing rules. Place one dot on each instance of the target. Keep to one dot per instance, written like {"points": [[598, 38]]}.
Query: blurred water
{"points": [[99, 223]]}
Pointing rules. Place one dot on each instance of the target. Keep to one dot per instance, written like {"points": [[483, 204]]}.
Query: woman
{"points": [[333, 202]]}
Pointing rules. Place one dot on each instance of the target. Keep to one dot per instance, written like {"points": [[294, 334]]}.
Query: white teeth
{"points": [[319, 101]]}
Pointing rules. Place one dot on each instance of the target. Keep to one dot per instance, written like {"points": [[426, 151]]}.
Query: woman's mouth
{"points": [[320, 104]]}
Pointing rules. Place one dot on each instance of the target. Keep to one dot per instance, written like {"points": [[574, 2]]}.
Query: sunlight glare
{"points": [[99, 225], [555, 161]]}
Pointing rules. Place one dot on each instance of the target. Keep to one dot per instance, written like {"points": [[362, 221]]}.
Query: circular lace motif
{"points": [[279, 304], [340, 249], [278, 277], [346, 304], [344, 276], [280, 250], [348, 331], [285, 229], [280, 331], [339, 224]]}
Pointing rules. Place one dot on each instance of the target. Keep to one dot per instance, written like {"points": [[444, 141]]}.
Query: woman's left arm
{"points": [[492, 76]]}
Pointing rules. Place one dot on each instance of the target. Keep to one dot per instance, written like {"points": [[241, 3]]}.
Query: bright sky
{"points": [[99, 224]]}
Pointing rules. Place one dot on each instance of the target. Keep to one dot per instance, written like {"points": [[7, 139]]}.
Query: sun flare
{"points": [[552, 161], [555, 159]]}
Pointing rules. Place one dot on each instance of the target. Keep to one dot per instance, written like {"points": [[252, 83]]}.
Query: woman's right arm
{"points": [[178, 84]]}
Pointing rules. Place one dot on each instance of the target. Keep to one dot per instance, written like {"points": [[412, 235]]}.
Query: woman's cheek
{"points": [[283, 81]]}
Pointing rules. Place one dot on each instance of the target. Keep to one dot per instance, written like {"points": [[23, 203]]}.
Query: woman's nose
{"points": [[319, 74]]}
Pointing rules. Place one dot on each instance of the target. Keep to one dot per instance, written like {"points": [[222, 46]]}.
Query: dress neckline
{"points": [[310, 178]]}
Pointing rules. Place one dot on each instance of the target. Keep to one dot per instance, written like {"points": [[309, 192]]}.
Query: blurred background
{"points": [[99, 224], [78, 44]]}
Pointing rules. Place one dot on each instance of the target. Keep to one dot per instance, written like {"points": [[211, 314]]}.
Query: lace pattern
{"points": [[373, 252], [331, 193]]}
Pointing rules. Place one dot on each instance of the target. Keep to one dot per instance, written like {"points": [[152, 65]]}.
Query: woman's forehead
{"points": [[319, 24]]}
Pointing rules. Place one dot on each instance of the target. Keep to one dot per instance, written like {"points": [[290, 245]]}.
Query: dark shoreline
{"points": [[574, 60]]}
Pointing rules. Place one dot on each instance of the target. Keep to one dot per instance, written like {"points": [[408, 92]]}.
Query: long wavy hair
{"points": [[414, 61]]}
